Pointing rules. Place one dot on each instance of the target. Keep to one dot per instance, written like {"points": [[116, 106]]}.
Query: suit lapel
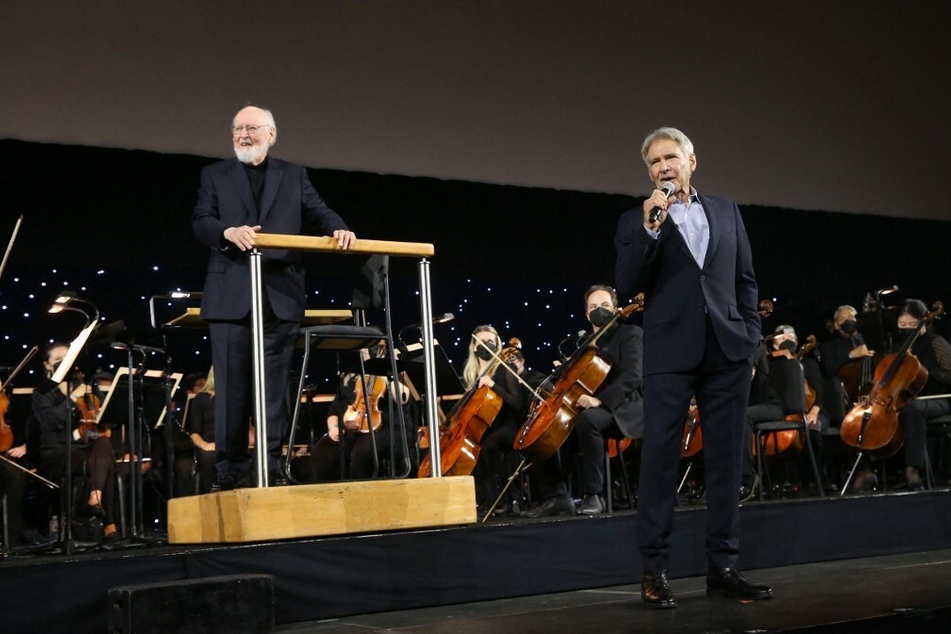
{"points": [[275, 173], [713, 222]]}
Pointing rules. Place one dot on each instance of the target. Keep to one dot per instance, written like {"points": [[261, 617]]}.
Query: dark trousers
{"points": [[592, 427], [95, 461], [722, 389], [914, 418], [232, 356]]}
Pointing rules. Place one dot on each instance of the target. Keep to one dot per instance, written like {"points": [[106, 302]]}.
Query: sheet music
{"points": [[66, 366]]}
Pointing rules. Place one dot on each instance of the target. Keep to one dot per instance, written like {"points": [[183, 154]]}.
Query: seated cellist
{"points": [[934, 353]]}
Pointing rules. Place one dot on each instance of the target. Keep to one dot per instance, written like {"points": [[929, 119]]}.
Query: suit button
{"points": [[703, 278]]}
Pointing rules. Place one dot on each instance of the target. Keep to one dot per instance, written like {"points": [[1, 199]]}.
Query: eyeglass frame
{"points": [[251, 128]]}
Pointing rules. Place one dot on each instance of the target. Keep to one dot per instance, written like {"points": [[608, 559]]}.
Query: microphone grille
{"points": [[667, 188]]}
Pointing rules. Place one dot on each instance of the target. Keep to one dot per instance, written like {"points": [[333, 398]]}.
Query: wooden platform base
{"points": [[290, 512]]}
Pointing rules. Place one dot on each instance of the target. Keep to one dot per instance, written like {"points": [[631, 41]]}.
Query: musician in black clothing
{"points": [[616, 410], [764, 405], [94, 459], [847, 347], [200, 426], [491, 471], [934, 353]]}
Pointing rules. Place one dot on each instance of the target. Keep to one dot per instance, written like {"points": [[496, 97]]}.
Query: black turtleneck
{"points": [[257, 174]]}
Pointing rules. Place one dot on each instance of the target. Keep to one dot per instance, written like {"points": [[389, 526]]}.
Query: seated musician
{"points": [[616, 410], [784, 349], [934, 353], [764, 405], [347, 449], [200, 426], [491, 472], [92, 458], [847, 346]]}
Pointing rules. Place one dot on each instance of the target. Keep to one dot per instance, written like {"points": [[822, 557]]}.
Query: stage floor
{"points": [[829, 560], [897, 593]]}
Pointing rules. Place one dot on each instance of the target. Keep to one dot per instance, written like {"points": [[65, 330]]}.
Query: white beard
{"points": [[251, 154]]}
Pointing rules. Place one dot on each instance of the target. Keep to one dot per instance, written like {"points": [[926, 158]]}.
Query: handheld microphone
{"points": [[668, 189]]}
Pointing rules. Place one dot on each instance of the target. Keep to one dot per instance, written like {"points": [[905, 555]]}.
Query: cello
{"points": [[552, 419], [467, 423], [872, 425]]}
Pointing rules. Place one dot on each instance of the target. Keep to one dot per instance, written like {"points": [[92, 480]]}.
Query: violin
{"points": [[88, 407], [552, 419], [692, 442], [459, 444], [872, 425], [356, 418]]}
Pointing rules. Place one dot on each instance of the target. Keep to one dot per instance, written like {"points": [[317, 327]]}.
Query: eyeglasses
{"points": [[252, 129]]}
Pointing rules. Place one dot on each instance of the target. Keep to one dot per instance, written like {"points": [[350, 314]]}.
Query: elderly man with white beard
{"points": [[238, 198]]}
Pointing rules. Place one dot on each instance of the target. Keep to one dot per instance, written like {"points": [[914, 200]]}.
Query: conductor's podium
{"points": [[313, 510]]}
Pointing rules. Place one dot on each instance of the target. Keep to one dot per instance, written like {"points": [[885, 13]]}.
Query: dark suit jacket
{"points": [[289, 204], [677, 291]]}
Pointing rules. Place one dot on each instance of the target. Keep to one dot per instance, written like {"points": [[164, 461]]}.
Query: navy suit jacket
{"points": [[289, 204], [678, 292]]}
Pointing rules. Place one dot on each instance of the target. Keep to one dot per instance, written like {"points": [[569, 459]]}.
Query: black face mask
{"points": [[484, 354], [906, 332], [600, 316], [849, 326], [789, 344]]}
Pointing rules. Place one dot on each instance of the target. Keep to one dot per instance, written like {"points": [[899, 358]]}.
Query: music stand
{"points": [[149, 406], [447, 381]]}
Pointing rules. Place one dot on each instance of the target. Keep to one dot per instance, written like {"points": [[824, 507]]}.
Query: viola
{"points": [[88, 407], [692, 442], [466, 424], [6, 434], [552, 419], [356, 418], [872, 425]]}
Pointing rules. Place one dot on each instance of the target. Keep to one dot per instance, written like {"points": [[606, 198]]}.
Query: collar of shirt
{"points": [[691, 221]]}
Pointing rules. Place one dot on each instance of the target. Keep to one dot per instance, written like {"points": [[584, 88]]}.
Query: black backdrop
{"points": [[114, 225]]}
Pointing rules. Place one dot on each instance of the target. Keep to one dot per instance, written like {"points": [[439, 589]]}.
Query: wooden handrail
{"points": [[326, 244]]}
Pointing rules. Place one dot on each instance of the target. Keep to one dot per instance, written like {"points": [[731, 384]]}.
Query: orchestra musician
{"points": [[692, 260], [482, 369], [848, 346], [323, 461], [93, 458], [617, 409], [237, 199], [784, 349], [764, 405], [934, 353], [200, 426]]}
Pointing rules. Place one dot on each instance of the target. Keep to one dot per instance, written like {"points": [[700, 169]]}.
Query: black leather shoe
{"points": [[730, 584], [223, 483], [591, 505], [551, 507], [655, 591]]}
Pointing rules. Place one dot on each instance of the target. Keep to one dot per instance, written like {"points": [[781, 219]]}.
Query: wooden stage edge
{"points": [[314, 510]]}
